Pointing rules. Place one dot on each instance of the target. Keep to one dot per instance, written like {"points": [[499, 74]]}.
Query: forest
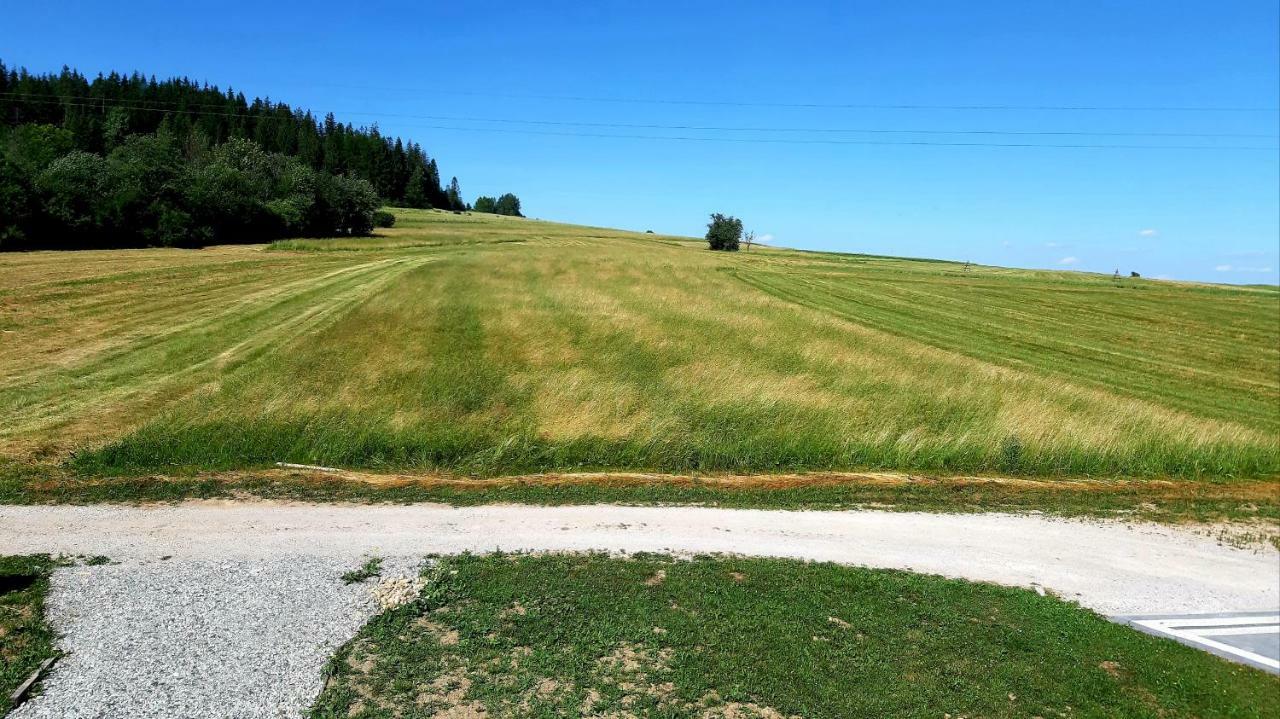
{"points": [[128, 161]]}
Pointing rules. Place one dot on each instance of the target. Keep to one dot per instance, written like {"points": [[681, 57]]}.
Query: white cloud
{"points": [[1148, 233], [1051, 245], [1068, 261], [1251, 270], [766, 237], [1006, 243]]}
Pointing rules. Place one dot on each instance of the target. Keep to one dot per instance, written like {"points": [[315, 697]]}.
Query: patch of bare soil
{"points": [[1263, 491]]}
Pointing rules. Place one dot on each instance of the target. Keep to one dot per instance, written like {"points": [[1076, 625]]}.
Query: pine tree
{"points": [[456, 202], [415, 192]]}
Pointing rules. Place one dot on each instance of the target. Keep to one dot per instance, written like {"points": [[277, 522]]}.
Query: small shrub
{"points": [[382, 218]]}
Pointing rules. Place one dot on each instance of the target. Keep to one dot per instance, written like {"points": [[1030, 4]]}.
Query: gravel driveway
{"points": [[224, 609]]}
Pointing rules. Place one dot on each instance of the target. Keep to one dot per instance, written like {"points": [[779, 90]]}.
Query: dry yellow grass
{"points": [[498, 345]]}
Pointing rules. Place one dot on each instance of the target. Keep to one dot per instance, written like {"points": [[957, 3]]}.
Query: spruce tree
{"points": [[415, 191], [456, 202]]}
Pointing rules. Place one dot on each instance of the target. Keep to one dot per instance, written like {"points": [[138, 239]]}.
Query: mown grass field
{"points": [[575, 635], [488, 346]]}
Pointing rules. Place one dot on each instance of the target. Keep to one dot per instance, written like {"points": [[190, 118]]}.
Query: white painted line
{"points": [[1217, 621], [1235, 631], [1163, 626]]}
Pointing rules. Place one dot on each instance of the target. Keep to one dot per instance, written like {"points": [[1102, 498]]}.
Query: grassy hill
{"points": [[492, 345]]}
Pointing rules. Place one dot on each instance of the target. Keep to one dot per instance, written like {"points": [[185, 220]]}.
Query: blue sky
{"points": [[427, 70]]}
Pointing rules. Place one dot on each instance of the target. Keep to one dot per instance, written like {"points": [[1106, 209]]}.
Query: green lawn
{"points": [[26, 639], [492, 346], [571, 635]]}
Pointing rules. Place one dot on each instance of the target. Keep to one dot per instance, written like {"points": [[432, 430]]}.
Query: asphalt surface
{"points": [[1251, 638]]}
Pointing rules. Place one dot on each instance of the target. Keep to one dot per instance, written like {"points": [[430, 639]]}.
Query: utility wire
{"points": [[821, 105], [925, 143], [101, 103], [142, 105]]}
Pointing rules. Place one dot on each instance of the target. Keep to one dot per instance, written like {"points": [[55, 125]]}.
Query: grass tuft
{"points": [[368, 570]]}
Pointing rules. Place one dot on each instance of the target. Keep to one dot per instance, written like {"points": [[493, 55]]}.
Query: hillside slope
{"points": [[494, 345]]}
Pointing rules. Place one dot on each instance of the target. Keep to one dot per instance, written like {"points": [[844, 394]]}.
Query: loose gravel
{"points": [[230, 610], [199, 638]]}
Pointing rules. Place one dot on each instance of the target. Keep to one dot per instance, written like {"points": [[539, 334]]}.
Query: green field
{"points": [[488, 346], [565, 635]]}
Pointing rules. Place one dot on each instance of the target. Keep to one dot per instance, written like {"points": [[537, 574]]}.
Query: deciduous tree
{"points": [[724, 232]]}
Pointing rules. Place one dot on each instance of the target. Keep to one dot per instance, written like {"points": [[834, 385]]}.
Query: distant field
{"points": [[490, 345]]}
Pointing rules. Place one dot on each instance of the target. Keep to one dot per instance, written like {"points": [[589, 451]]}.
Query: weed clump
{"points": [[368, 570]]}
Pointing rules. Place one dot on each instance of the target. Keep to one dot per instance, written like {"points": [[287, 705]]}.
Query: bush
{"points": [[724, 232], [382, 218]]}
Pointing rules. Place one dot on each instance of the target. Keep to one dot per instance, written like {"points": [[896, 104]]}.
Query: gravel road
{"points": [[225, 609]]}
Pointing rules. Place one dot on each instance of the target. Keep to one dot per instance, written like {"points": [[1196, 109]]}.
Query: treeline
{"points": [[151, 190], [126, 160], [508, 204]]}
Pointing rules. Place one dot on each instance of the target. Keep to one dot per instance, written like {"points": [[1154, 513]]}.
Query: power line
{"points": [[827, 130], [824, 105], [142, 105], [925, 143], [102, 102]]}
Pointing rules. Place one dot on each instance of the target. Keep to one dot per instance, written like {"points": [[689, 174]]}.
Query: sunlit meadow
{"points": [[490, 345]]}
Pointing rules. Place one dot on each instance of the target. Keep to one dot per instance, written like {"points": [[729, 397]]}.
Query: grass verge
{"points": [[575, 635], [26, 639], [1249, 504]]}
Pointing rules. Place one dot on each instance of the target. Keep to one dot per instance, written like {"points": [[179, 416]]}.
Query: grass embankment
{"points": [[560, 635], [26, 640], [1253, 505], [491, 346]]}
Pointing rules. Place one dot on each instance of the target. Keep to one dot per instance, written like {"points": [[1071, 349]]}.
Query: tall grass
{"points": [[493, 345]]}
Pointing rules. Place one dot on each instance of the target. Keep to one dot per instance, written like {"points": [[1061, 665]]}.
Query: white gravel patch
{"points": [[199, 638], [239, 621]]}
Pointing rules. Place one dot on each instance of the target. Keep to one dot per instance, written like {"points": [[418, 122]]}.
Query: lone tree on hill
{"points": [[508, 204], [724, 232]]}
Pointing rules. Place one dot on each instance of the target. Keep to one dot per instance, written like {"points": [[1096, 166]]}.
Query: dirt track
{"points": [[1110, 567]]}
